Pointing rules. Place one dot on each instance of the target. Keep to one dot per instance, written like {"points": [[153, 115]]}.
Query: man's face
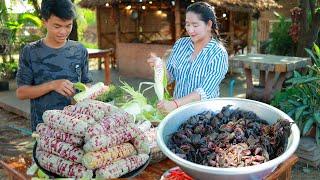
{"points": [[58, 29]]}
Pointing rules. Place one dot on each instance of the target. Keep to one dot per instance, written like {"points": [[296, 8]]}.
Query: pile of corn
{"points": [[90, 137]]}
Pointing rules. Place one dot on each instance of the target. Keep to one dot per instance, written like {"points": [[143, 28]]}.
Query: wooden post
{"points": [[231, 29], [117, 30], [177, 20], [249, 37], [98, 20]]}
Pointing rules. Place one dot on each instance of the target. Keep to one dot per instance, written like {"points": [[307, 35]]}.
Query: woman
{"points": [[197, 63]]}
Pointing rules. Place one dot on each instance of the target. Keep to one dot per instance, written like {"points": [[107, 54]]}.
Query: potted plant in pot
{"points": [[8, 72], [301, 99]]}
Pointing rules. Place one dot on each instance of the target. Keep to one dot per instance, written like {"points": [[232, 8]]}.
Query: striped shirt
{"points": [[203, 74]]}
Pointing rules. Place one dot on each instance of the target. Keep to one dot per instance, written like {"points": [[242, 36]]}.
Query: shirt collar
{"points": [[208, 46]]}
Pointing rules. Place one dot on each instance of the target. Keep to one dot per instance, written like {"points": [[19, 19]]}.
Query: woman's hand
{"points": [[166, 106], [152, 59], [63, 87]]}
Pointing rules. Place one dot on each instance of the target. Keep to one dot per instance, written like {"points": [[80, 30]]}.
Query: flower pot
{"points": [[4, 85]]}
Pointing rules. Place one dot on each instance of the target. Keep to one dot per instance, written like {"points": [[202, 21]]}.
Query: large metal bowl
{"points": [[172, 121]]}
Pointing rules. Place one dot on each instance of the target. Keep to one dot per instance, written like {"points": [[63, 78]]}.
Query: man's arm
{"points": [[62, 86]]}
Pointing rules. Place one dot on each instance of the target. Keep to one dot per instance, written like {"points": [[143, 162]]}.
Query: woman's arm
{"points": [[168, 106]]}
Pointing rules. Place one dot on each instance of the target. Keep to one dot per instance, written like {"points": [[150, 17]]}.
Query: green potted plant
{"points": [[301, 99], [8, 72]]}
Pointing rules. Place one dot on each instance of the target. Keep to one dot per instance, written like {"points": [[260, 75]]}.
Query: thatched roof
{"points": [[238, 5], [246, 4]]}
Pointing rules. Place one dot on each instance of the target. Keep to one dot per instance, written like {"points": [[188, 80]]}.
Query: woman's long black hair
{"points": [[206, 12]]}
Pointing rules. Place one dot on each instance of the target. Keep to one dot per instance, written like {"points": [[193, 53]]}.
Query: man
{"points": [[49, 67]]}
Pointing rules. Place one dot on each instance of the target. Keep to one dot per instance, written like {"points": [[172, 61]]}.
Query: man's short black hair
{"points": [[63, 9]]}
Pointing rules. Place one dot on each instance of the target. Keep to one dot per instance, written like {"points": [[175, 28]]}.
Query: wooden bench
{"points": [[108, 56], [154, 171], [268, 66]]}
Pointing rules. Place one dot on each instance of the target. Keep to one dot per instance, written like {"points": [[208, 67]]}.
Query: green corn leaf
{"points": [[80, 86], [307, 126]]}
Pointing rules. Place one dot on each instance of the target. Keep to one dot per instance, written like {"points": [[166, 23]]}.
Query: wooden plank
{"points": [[12, 173], [283, 168]]}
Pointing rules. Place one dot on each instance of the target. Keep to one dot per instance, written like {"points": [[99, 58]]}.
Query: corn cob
{"points": [[121, 167], [47, 131], [151, 135], [61, 149], [97, 159], [82, 117], [141, 142], [115, 119], [85, 110], [111, 138], [93, 108], [62, 166], [65, 122], [98, 106], [144, 125]]}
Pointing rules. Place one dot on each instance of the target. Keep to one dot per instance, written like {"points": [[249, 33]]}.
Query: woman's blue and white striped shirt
{"points": [[202, 74]]}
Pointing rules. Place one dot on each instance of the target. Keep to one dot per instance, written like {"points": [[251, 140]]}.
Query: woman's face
{"points": [[197, 29]]}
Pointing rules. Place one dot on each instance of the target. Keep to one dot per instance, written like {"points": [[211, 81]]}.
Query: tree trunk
{"points": [[36, 7], [309, 31]]}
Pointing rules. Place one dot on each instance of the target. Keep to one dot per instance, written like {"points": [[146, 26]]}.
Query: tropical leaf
{"points": [[299, 111], [316, 116], [307, 126], [28, 17], [318, 134]]}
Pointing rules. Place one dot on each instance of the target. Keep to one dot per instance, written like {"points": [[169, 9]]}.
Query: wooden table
{"points": [[106, 54], [154, 171], [269, 66]]}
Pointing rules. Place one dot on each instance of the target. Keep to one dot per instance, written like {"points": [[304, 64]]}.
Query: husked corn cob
{"points": [[111, 138], [107, 108], [144, 125], [61, 149], [151, 135], [97, 159], [85, 110], [121, 167], [141, 142], [96, 109], [65, 122], [62, 166], [45, 130], [113, 120]]}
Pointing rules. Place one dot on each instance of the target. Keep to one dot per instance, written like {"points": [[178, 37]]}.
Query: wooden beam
{"points": [[177, 20]]}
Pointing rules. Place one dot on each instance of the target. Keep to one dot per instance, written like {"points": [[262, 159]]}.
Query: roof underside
{"points": [[236, 5]]}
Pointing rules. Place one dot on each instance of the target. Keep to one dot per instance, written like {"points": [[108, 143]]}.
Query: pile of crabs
{"points": [[229, 138]]}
